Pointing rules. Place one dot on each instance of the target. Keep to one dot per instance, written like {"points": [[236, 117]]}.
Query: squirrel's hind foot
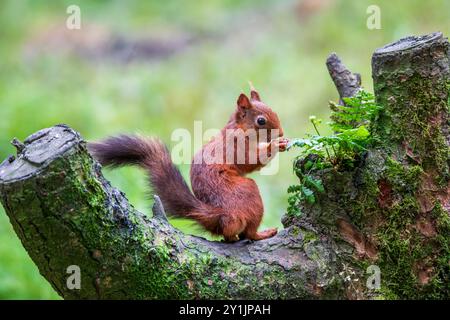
{"points": [[269, 233]]}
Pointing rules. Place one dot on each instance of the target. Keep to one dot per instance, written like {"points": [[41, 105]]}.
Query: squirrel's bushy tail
{"points": [[165, 178]]}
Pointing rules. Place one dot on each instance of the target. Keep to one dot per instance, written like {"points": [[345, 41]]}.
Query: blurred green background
{"points": [[155, 66]]}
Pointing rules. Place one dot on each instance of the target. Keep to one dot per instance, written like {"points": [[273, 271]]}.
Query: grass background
{"points": [[51, 75]]}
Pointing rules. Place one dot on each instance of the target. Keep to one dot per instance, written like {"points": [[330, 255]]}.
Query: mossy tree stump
{"points": [[391, 211]]}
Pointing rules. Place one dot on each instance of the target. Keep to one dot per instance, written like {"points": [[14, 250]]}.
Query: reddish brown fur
{"points": [[225, 202]]}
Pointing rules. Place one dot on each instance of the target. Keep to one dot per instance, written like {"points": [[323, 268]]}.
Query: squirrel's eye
{"points": [[261, 121]]}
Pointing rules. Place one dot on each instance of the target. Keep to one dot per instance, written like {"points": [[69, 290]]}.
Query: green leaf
{"points": [[314, 184], [293, 188], [309, 194], [360, 133], [308, 165]]}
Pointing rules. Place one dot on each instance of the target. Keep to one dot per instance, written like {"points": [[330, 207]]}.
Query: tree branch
{"points": [[346, 82], [66, 213]]}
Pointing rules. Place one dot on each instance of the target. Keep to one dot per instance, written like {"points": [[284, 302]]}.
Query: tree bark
{"points": [[346, 82], [391, 210]]}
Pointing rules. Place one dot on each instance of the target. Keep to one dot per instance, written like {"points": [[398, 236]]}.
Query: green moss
{"points": [[448, 96], [403, 179], [442, 279], [294, 231], [413, 121], [401, 248], [309, 236], [364, 206]]}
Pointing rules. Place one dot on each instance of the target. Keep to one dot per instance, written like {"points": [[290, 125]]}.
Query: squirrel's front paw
{"points": [[280, 144]]}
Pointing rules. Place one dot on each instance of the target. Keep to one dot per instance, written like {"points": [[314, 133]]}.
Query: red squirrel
{"points": [[224, 201]]}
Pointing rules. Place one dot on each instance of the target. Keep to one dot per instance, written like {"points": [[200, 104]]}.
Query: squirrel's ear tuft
{"points": [[254, 95], [243, 102]]}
